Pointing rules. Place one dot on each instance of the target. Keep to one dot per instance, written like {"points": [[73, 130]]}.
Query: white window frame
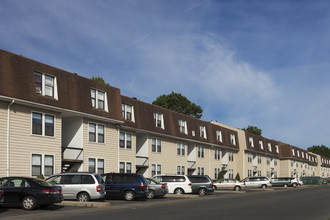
{"points": [[261, 143], [127, 136], [216, 173], [276, 147], [43, 124], [154, 169], [230, 156], [97, 132], [200, 171], [293, 152], [180, 170], [219, 135], [233, 139], [217, 154], [202, 132], [125, 166], [183, 126], [42, 163], [269, 147], [251, 141], [200, 151], [96, 104], [249, 158], [43, 85], [158, 148], [159, 117], [125, 112], [181, 149]]}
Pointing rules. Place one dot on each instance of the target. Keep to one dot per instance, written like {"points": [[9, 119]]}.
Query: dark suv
{"points": [[125, 185], [201, 184]]}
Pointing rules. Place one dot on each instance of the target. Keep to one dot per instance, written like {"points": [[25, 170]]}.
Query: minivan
{"points": [[125, 185], [201, 185], [177, 184], [79, 185], [257, 182]]}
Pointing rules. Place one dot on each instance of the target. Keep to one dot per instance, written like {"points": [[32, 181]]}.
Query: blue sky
{"points": [[261, 63]]}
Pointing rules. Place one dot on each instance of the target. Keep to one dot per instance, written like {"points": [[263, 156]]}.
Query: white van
{"points": [[177, 184]]}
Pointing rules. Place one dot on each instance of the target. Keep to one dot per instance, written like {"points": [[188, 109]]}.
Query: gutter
{"points": [[8, 138]]}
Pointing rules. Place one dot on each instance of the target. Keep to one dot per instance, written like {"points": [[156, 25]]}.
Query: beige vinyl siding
{"points": [[285, 168], [23, 144], [3, 138], [107, 150]]}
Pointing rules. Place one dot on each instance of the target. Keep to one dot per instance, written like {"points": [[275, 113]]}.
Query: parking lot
{"points": [[75, 208]]}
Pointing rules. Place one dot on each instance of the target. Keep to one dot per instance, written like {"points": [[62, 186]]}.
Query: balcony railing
{"points": [[72, 154], [192, 165], [142, 161]]}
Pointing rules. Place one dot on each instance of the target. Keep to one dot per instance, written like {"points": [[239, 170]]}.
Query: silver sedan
{"points": [[231, 184]]}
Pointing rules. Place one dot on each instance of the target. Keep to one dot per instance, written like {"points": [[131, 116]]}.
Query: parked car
{"points": [[81, 186], [257, 182], [156, 189], [231, 184], [201, 184], [125, 185], [1, 195], [29, 192], [177, 184], [300, 182], [281, 181]]}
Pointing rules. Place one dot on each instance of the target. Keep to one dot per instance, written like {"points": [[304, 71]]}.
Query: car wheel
{"points": [[202, 191], [215, 188], [264, 186], [237, 188], [178, 191], [294, 185], [285, 185], [83, 197], [29, 203], [151, 194], [129, 196]]}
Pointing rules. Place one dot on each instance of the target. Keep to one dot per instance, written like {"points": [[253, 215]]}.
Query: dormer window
{"points": [[276, 148], [269, 147], [202, 131], [183, 126], [302, 155], [233, 139], [99, 99], [261, 145], [45, 85], [127, 112], [298, 154], [219, 136], [292, 152], [251, 141], [159, 120]]}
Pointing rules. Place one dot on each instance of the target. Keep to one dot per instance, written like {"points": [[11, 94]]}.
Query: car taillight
{"points": [[142, 186], [189, 184], [270, 181], [211, 185], [98, 188], [163, 186], [49, 191]]}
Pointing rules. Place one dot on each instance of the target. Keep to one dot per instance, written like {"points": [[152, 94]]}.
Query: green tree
{"points": [[179, 103], [320, 150], [237, 177], [99, 79], [220, 175], [253, 130]]}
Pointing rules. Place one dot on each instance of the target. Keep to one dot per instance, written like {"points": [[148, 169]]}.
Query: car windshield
{"points": [[41, 182]]}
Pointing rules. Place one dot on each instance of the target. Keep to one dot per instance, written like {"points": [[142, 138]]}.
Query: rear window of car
{"points": [[173, 179], [198, 179], [87, 179], [99, 179], [41, 182]]}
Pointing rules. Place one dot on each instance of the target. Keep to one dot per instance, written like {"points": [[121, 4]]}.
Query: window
{"points": [[249, 173], [43, 124], [200, 170], [156, 169], [125, 140], [180, 170], [249, 157], [96, 133], [231, 173], [99, 99], [268, 174], [127, 112], [202, 131], [268, 160], [269, 147], [251, 141], [291, 163], [125, 167], [217, 154], [276, 148], [230, 156], [233, 139], [292, 152], [219, 136], [216, 173], [298, 154], [275, 162], [259, 172], [159, 120], [261, 145], [181, 149], [91, 165], [200, 152], [156, 145], [259, 159], [42, 164], [183, 126], [100, 166], [45, 85]]}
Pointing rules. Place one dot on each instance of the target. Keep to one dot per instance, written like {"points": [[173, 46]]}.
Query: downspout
{"points": [[8, 138], [118, 148]]}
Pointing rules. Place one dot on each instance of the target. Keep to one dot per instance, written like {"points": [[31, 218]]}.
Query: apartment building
{"points": [[54, 121]]}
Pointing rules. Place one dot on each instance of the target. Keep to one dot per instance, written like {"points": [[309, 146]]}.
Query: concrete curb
{"points": [[182, 195], [229, 191], [85, 204]]}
